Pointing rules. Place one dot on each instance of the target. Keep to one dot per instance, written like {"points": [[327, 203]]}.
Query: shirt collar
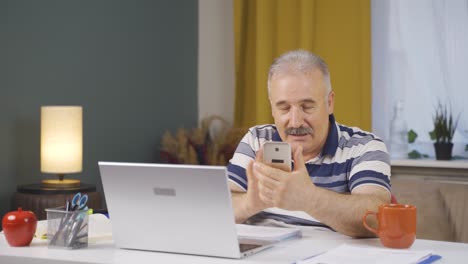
{"points": [[331, 145], [332, 138], [276, 136]]}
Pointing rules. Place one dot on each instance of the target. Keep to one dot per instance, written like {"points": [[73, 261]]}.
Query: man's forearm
{"points": [[343, 212], [240, 206]]}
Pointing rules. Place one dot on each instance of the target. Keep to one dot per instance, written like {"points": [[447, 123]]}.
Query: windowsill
{"points": [[431, 163], [455, 171]]}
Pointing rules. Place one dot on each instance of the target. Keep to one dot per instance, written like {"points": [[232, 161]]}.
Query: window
{"points": [[420, 56]]}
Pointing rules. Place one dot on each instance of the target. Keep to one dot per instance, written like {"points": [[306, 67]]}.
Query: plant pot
{"points": [[443, 151]]}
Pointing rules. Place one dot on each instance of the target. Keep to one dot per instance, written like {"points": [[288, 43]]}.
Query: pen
{"points": [[74, 231], [309, 257], [61, 226], [67, 229], [64, 228], [67, 207]]}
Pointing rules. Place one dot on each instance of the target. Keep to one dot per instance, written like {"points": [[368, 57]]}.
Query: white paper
{"points": [[266, 233], [366, 254], [100, 228], [298, 214]]}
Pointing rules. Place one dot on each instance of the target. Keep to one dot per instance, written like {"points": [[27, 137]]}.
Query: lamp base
{"points": [[56, 183]]}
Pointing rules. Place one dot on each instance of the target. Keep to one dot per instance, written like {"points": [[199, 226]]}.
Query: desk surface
{"points": [[314, 241]]}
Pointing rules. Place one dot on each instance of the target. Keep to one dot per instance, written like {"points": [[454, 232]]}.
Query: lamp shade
{"points": [[61, 139]]}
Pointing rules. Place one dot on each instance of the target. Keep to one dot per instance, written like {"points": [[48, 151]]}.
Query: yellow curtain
{"points": [[336, 30]]}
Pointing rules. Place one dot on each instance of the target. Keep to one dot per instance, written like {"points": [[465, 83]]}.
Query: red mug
{"points": [[396, 225]]}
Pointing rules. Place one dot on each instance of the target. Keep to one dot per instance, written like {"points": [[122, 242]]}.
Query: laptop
{"points": [[173, 208]]}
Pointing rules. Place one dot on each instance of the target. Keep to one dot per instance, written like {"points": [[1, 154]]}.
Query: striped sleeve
{"points": [[242, 156], [371, 166], [246, 152]]}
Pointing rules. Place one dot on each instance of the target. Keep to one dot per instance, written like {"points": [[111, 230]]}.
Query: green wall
{"points": [[132, 65]]}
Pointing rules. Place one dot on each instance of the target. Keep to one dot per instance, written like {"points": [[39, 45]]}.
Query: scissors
{"points": [[79, 201]]}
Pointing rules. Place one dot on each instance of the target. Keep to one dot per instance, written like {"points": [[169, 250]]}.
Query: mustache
{"points": [[299, 130]]}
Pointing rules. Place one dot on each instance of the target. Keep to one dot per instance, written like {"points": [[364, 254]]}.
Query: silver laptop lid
{"points": [[170, 208]]}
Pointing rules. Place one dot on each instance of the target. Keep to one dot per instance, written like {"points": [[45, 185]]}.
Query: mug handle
{"points": [[364, 218]]}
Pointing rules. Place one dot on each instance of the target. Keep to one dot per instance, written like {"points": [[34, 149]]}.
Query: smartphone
{"points": [[277, 154]]}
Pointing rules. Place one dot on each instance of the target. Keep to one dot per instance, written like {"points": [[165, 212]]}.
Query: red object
{"points": [[19, 227], [396, 224]]}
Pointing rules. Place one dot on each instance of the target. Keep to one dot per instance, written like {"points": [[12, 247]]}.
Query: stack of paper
{"points": [[296, 214], [266, 233], [366, 254]]}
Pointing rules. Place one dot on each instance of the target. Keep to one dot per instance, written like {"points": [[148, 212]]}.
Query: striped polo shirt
{"points": [[350, 158]]}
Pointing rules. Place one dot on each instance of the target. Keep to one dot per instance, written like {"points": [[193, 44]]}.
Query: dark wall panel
{"points": [[130, 64]]}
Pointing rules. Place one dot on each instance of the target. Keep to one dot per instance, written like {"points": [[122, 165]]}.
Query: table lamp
{"points": [[61, 144]]}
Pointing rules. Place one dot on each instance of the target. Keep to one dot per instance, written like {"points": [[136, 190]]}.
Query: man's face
{"points": [[300, 108]]}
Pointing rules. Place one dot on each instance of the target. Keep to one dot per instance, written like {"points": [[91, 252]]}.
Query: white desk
{"points": [[314, 241]]}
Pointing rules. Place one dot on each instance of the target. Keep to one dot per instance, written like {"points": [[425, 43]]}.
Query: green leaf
{"points": [[445, 124], [412, 136], [414, 154]]}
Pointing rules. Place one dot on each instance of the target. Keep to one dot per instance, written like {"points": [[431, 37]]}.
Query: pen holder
{"points": [[67, 229]]}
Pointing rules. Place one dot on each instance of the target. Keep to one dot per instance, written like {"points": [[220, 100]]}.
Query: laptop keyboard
{"points": [[247, 247]]}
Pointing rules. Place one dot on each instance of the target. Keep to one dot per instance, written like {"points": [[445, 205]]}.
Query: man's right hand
{"points": [[249, 203]]}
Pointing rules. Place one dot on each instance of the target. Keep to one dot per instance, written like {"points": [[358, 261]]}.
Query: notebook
{"points": [[363, 254], [173, 208]]}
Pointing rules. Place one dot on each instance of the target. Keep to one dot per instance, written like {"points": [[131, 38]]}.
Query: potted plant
{"points": [[444, 129]]}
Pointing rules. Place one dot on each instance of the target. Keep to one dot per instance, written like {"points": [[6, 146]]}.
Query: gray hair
{"points": [[299, 61]]}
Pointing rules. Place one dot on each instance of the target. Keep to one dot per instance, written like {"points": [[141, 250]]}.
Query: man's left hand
{"points": [[286, 190]]}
